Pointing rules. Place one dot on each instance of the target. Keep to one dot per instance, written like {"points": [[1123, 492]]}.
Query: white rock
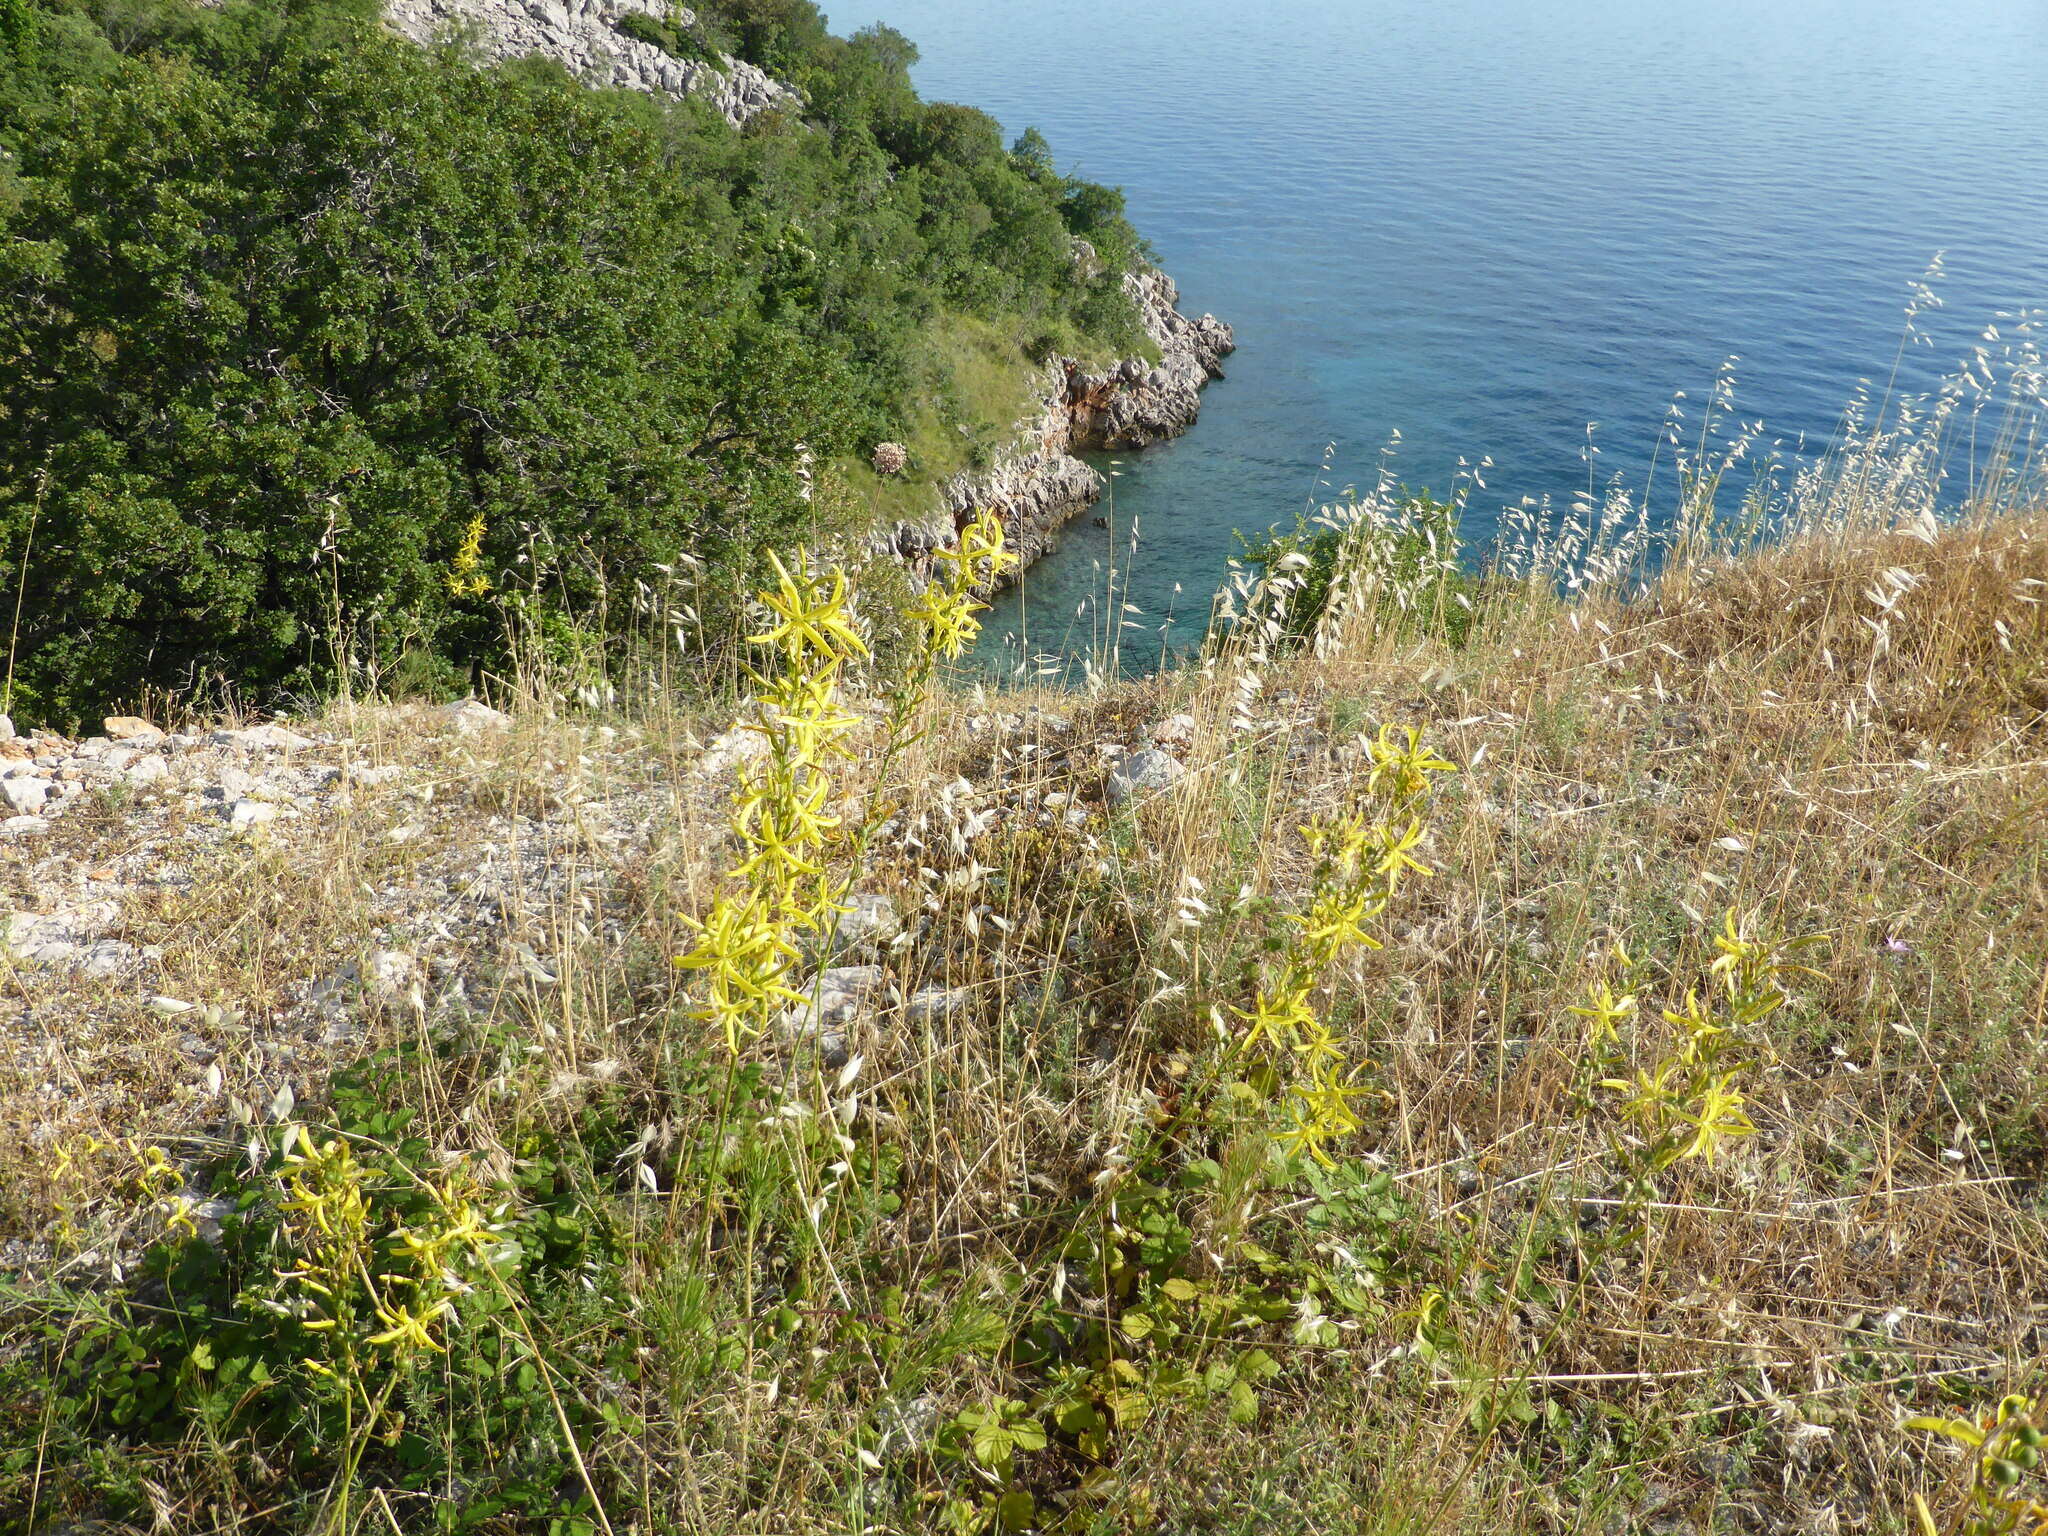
{"points": [[583, 36], [871, 923], [738, 744], [24, 795], [6, 729], [131, 728], [244, 814], [930, 1005], [834, 998], [1143, 775], [23, 826], [475, 715], [387, 972], [147, 770], [262, 738]]}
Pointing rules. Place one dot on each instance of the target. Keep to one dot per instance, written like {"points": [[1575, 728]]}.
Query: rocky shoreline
{"points": [[1040, 485]]}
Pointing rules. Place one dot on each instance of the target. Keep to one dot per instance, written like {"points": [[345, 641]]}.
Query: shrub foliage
{"points": [[288, 307]]}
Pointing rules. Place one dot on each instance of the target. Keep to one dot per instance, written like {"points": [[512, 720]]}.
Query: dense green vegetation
{"points": [[316, 347]]}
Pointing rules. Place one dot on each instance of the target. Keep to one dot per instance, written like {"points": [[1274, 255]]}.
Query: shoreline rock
{"points": [[1040, 485]]}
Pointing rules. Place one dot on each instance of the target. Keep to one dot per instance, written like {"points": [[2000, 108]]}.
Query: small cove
{"points": [[1484, 225]]}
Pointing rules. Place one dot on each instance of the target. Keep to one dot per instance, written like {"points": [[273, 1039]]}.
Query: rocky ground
{"points": [[584, 37], [201, 923]]}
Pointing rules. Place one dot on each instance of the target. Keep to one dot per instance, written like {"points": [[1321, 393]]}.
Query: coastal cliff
{"points": [[1040, 484]]}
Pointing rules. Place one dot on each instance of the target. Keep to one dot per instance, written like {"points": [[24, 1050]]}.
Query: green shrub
{"points": [[1410, 560], [290, 307]]}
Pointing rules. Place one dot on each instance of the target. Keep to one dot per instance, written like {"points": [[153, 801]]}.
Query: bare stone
{"points": [[23, 794], [475, 715], [131, 728], [244, 815], [1143, 775]]}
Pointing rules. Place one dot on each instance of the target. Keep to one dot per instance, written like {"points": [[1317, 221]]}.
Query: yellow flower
{"points": [[812, 617], [1401, 769], [1604, 1011], [1715, 1116], [406, 1330], [1394, 855], [1278, 1015], [947, 618]]}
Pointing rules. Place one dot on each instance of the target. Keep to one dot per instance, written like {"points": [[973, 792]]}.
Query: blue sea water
{"points": [[1489, 223]]}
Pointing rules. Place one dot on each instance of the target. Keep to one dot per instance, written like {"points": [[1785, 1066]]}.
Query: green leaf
{"points": [[1244, 1403], [1016, 1510]]}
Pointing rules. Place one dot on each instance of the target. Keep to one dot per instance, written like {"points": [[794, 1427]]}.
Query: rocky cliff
{"points": [[584, 37], [1040, 484]]}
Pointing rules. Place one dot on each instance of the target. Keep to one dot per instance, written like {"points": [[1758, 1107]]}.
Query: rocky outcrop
{"points": [[1039, 484], [583, 36], [1135, 403]]}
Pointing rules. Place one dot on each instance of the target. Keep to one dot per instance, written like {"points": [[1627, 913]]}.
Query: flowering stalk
{"points": [[782, 815], [1362, 857], [782, 812]]}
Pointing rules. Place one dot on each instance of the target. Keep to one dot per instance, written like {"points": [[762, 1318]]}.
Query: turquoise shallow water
{"points": [[1488, 223]]}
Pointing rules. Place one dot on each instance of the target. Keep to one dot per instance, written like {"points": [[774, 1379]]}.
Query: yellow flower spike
{"points": [[810, 718]]}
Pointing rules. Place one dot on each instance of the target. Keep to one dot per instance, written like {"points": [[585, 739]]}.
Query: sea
{"points": [[1486, 236]]}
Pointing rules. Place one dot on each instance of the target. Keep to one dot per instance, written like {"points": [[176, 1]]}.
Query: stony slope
{"points": [[584, 37]]}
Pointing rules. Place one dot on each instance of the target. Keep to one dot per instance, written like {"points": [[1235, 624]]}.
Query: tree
{"points": [[280, 335]]}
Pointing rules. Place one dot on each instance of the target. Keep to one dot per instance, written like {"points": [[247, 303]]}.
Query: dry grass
{"points": [[1847, 735]]}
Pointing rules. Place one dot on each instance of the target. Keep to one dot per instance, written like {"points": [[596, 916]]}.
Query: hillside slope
{"points": [[995, 1230]]}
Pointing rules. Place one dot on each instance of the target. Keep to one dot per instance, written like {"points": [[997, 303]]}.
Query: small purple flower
{"points": [[1894, 945]]}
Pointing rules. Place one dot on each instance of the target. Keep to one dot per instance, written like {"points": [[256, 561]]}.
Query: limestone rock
{"points": [[869, 925], [932, 1005], [584, 38], [1143, 775], [130, 728], [25, 795], [244, 815], [474, 715]]}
